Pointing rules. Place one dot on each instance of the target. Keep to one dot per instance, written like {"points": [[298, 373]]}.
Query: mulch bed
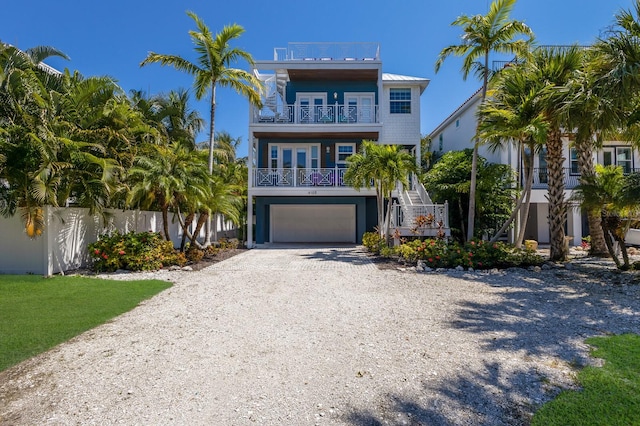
{"points": [[219, 257]]}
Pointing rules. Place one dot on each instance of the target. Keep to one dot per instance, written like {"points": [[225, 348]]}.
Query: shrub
{"points": [[373, 241], [386, 251], [194, 254], [226, 244], [475, 254], [142, 251]]}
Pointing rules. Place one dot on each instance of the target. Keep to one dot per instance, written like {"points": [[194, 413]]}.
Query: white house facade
{"points": [[321, 100]]}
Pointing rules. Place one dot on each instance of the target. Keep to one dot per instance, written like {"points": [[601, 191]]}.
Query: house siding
{"points": [[403, 129]]}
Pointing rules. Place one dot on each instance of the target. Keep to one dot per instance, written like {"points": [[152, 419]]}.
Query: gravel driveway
{"points": [[317, 335]]}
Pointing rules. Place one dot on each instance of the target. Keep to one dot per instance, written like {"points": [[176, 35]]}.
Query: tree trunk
{"points": [[587, 169], [212, 117], [527, 205], [461, 218], [525, 193], [187, 223], [472, 194], [557, 204], [203, 218], [609, 240], [165, 222]]}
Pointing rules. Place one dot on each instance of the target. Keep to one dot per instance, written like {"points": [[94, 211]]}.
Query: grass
{"points": [[38, 313], [610, 395]]}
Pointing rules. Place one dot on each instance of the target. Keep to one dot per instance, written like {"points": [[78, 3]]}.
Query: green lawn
{"points": [[38, 313], [610, 395]]}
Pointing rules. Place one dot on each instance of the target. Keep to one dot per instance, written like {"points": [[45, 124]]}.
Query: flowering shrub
{"points": [[142, 251], [474, 254]]}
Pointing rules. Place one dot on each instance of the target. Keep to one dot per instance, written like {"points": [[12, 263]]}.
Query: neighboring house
{"points": [[457, 132], [320, 101]]}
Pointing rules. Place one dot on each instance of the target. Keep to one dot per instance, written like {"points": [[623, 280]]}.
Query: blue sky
{"points": [[112, 38]]}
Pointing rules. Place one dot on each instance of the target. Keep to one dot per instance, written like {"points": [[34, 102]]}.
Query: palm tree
{"points": [[616, 199], [511, 113], [213, 69], [592, 112], [30, 171], [552, 68], [484, 34], [380, 166]]}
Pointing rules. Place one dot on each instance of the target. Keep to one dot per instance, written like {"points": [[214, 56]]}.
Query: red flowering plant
{"points": [[133, 251]]}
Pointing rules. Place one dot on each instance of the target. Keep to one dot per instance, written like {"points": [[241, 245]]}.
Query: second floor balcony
{"points": [[299, 178], [571, 178], [318, 114]]}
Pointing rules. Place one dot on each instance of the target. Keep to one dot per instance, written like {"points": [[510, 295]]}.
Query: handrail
{"points": [[298, 178], [334, 51], [317, 114]]}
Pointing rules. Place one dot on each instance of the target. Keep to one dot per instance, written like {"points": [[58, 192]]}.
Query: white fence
{"points": [[68, 231]]}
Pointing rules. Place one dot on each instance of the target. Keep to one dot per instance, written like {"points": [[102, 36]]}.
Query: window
{"points": [[457, 123], [342, 152], [440, 142], [400, 101], [274, 156], [623, 156], [573, 161]]}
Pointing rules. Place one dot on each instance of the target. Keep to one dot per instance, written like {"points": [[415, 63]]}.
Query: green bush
{"points": [[473, 254], [144, 251], [373, 242]]}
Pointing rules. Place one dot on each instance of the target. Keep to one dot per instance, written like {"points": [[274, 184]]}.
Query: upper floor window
{"points": [[400, 101], [624, 158], [343, 151], [573, 161]]}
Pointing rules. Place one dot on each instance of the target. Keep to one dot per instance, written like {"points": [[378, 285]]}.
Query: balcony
{"points": [[328, 52], [299, 178], [571, 179], [318, 114]]}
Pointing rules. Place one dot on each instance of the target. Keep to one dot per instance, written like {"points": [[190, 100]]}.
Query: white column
{"points": [[250, 222], [575, 226]]}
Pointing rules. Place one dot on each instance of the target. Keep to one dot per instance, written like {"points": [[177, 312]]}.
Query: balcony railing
{"points": [[571, 179], [328, 52], [299, 178], [318, 114]]}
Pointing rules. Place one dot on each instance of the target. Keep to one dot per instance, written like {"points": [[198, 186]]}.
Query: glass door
{"points": [[360, 108], [311, 107], [607, 156]]}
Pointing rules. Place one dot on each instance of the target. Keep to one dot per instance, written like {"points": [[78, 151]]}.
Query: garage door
{"points": [[315, 223]]}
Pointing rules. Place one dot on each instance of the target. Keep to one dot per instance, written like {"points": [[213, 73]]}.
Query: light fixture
{"points": [[328, 150], [335, 96]]}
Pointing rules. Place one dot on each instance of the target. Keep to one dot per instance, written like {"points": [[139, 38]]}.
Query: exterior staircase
{"points": [[415, 202]]}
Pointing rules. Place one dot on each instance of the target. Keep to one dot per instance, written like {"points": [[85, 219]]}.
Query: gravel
{"points": [[318, 335]]}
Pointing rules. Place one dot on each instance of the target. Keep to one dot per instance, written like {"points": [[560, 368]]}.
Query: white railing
{"points": [[299, 178], [317, 114], [422, 192], [421, 219], [328, 52]]}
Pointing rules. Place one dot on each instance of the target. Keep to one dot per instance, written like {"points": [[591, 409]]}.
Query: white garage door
{"points": [[305, 223]]}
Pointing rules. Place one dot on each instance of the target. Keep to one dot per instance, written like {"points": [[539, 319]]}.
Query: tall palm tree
{"points": [[511, 113], [213, 68], [383, 166], [591, 112], [483, 34]]}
